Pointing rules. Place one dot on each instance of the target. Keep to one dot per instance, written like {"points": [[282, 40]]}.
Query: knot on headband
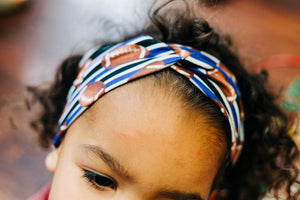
{"points": [[105, 68]]}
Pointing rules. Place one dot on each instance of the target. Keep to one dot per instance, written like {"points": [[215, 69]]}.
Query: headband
{"points": [[105, 68]]}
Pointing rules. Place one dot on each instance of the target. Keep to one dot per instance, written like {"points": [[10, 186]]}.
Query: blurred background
{"points": [[35, 35]]}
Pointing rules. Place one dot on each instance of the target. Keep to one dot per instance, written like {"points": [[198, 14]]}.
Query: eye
{"points": [[99, 182]]}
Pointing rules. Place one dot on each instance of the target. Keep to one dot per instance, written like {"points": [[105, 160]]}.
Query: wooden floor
{"points": [[35, 40]]}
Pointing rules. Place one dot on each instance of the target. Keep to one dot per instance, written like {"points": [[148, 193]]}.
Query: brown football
{"points": [[123, 55], [148, 69], [226, 88], [80, 75], [187, 73], [181, 52], [91, 93]]}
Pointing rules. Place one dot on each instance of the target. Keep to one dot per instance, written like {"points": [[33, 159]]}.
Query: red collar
{"points": [[42, 194]]}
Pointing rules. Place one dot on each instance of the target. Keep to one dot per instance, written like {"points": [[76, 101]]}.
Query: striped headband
{"points": [[105, 68]]}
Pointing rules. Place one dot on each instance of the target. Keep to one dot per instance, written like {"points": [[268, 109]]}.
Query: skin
{"points": [[159, 149]]}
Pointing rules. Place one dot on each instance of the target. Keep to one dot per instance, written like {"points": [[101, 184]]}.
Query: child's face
{"points": [[136, 142]]}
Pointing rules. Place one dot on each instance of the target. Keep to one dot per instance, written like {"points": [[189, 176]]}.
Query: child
{"points": [[171, 118]]}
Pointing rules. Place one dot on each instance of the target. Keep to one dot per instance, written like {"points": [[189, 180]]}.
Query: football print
{"points": [[91, 93], [124, 54]]}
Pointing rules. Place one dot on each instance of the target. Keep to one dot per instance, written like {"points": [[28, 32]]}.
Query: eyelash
{"points": [[99, 182]]}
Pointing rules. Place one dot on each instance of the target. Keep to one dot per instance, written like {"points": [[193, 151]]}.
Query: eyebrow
{"points": [[115, 165], [109, 160]]}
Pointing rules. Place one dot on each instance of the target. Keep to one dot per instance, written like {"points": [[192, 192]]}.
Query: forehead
{"points": [[153, 136]]}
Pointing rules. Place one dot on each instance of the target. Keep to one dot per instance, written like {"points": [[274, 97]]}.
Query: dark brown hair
{"points": [[268, 158]]}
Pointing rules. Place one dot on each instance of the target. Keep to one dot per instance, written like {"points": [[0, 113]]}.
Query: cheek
{"points": [[66, 183]]}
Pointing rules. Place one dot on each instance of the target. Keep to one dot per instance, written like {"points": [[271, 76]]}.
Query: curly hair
{"points": [[267, 162]]}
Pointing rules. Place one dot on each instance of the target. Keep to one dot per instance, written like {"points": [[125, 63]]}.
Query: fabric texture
{"points": [[110, 66], [41, 195]]}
